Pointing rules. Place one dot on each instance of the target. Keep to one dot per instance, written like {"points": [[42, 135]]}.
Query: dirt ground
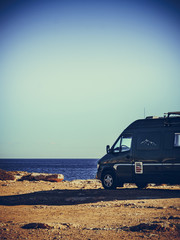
{"points": [[82, 209]]}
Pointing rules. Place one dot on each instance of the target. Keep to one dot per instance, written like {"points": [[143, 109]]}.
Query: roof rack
{"points": [[166, 115], [172, 113]]}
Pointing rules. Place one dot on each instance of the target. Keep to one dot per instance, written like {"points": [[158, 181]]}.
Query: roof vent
{"points": [[152, 117]]}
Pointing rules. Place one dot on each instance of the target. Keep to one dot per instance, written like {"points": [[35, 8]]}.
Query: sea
{"points": [[71, 168]]}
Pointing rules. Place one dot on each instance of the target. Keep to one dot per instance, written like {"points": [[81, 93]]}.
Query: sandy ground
{"points": [[82, 209]]}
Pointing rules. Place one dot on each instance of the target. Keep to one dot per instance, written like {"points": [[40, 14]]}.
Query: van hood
{"points": [[107, 158]]}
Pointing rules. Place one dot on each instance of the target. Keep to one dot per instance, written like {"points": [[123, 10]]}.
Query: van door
{"points": [[122, 157], [171, 161], [148, 157]]}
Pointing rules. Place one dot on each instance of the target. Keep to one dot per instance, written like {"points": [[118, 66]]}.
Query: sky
{"points": [[75, 74]]}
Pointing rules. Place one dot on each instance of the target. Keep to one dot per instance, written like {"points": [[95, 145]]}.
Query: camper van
{"points": [[147, 151]]}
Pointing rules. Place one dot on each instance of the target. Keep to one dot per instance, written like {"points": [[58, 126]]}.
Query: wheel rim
{"points": [[108, 180]]}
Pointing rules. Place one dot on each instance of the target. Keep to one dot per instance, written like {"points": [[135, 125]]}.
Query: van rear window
{"points": [[177, 140]]}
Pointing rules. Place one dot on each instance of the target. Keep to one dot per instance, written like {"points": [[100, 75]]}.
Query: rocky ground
{"points": [[82, 209]]}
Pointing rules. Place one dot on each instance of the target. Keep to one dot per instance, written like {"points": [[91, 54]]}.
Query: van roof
{"points": [[149, 122]]}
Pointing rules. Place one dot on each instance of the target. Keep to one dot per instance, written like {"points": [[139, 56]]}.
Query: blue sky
{"points": [[74, 74]]}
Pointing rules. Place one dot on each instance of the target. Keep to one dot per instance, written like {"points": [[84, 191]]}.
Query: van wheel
{"points": [[108, 180], [141, 185]]}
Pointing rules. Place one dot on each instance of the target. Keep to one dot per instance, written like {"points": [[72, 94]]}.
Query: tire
{"points": [[108, 180], [141, 185]]}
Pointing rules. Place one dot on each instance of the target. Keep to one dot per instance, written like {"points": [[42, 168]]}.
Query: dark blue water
{"points": [[70, 168]]}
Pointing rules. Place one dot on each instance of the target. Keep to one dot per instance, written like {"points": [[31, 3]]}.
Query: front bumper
{"points": [[99, 172]]}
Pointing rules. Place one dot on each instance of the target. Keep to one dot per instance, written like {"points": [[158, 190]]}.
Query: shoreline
{"points": [[82, 209]]}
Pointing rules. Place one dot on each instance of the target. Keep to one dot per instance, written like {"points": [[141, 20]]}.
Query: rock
{"points": [[36, 226], [6, 229], [21, 176], [64, 225], [55, 178], [5, 175], [148, 226], [43, 177], [177, 226], [173, 217]]}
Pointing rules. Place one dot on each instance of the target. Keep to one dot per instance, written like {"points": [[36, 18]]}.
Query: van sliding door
{"points": [[148, 157]]}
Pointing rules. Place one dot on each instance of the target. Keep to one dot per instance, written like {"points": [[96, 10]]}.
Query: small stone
{"points": [[6, 229]]}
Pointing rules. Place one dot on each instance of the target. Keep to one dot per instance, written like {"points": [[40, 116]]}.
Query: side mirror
{"points": [[107, 148]]}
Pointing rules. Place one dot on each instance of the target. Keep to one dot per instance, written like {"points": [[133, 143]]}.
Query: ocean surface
{"points": [[70, 168]]}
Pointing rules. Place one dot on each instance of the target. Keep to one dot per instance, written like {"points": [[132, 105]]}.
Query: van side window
{"points": [[177, 140], [125, 143], [148, 141]]}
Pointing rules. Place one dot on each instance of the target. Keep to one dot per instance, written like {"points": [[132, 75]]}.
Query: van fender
{"points": [[109, 169]]}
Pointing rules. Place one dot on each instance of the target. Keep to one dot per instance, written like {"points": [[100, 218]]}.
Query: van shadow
{"points": [[72, 197]]}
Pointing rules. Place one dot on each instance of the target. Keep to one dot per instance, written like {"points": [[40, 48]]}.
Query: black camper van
{"points": [[147, 151]]}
